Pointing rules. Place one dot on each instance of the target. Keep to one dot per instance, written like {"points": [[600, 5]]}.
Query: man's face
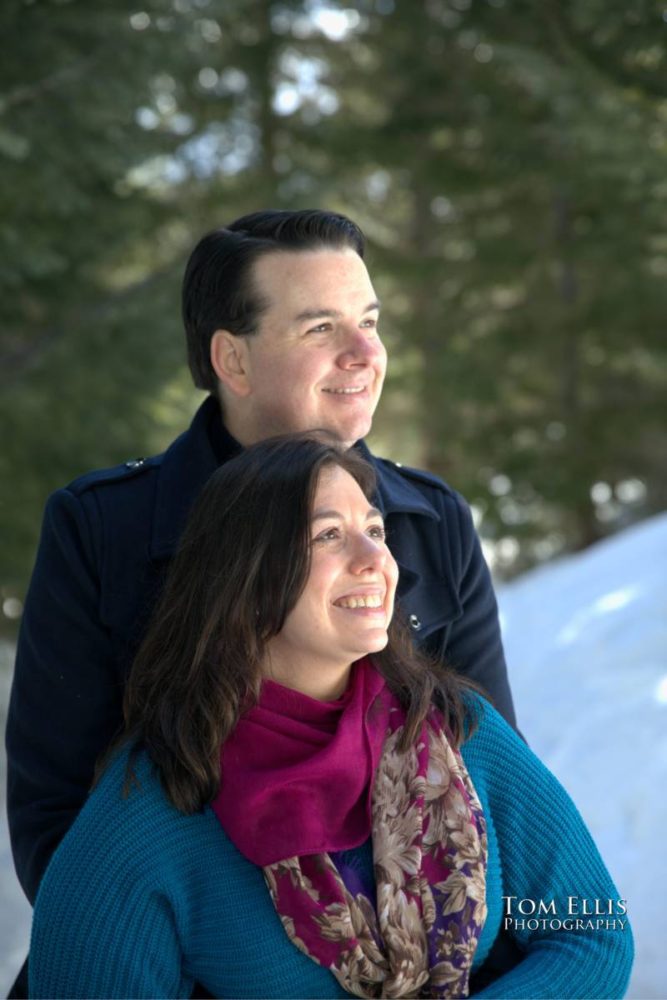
{"points": [[317, 361]]}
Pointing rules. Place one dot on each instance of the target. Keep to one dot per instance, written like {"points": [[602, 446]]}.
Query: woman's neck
{"points": [[324, 683]]}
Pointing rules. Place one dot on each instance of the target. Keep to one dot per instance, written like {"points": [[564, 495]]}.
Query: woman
{"points": [[300, 805]]}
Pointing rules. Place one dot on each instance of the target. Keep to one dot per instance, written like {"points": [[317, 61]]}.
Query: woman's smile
{"points": [[347, 603]]}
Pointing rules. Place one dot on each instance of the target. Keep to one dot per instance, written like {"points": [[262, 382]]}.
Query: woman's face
{"points": [[347, 603]]}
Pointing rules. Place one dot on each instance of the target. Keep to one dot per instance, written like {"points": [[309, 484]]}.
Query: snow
{"points": [[586, 640], [14, 909]]}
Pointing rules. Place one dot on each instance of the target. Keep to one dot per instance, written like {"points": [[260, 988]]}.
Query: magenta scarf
{"points": [[296, 772], [302, 779]]}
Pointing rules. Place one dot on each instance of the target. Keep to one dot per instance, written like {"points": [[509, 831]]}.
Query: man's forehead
{"points": [[312, 281]]}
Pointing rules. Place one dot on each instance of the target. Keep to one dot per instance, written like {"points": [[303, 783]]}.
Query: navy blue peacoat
{"points": [[106, 542]]}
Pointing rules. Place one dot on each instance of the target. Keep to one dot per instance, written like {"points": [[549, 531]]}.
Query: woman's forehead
{"points": [[338, 491]]}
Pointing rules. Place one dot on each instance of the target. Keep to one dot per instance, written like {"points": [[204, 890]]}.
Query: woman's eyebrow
{"points": [[372, 512]]}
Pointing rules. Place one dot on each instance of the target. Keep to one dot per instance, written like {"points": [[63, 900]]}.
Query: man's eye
{"points": [[377, 531], [371, 324], [320, 328]]}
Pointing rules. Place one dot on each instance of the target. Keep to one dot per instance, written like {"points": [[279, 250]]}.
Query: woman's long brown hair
{"points": [[241, 566]]}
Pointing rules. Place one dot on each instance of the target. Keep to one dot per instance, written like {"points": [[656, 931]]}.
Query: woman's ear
{"points": [[229, 360]]}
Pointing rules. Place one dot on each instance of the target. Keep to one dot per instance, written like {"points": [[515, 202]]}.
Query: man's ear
{"points": [[229, 360]]}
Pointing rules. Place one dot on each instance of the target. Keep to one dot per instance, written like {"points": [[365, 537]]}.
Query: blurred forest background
{"points": [[506, 159]]}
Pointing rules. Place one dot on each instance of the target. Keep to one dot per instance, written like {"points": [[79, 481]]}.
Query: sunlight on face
{"points": [[317, 361], [348, 601]]}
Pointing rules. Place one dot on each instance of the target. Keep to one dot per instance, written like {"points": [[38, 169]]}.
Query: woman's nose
{"points": [[368, 554]]}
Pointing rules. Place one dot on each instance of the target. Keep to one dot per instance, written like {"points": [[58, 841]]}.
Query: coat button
{"points": [[415, 623], [135, 463]]}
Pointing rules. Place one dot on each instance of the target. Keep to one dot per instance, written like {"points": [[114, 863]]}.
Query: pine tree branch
{"points": [[14, 364], [609, 71], [25, 93]]}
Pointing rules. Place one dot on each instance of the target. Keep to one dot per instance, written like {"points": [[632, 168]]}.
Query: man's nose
{"points": [[359, 347]]}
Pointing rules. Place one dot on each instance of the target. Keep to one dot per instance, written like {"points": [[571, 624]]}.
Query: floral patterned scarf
{"points": [[418, 936]]}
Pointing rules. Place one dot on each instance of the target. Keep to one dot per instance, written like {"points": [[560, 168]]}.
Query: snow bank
{"points": [[586, 640]]}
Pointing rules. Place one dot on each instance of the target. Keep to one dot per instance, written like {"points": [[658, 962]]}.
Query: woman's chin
{"points": [[373, 644]]}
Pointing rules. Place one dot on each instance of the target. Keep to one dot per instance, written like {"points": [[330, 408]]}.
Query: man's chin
{"points": [[346, 437], [352, 433]]}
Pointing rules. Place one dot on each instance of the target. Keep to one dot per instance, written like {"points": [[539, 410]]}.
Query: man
{"points": [[282, 329]]}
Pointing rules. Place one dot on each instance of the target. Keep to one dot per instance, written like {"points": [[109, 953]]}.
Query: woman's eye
{"points": [[371, 324], [377, 531], [329, 535]]}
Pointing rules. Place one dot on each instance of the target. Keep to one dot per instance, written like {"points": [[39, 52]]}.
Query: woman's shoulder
{"points": [[127, 823], [491, 747], [116, 887], [503, 766], [485, 728], [129, 786]]}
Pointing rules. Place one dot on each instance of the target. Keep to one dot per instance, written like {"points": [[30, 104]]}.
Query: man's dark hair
{"points": [[218, 292], [242, 564]]}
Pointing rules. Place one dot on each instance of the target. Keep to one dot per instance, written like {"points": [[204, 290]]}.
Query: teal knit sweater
{"points": [[142, 901]]}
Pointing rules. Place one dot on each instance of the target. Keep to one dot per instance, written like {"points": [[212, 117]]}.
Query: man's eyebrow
{"points": [[319, 514], [309, 314]]}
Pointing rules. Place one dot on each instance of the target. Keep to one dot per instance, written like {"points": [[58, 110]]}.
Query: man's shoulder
{"points": [[130, 471], [420, 477], [143, 501], [404, 486], [168, 481]]}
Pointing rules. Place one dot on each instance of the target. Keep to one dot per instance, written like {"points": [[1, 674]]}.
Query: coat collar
{"points": [[396, 494], [186, 466], [196, 454]]}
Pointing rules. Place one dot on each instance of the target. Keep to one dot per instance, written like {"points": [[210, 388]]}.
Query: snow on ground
{"points": [[586, 640], [14, 909]]}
